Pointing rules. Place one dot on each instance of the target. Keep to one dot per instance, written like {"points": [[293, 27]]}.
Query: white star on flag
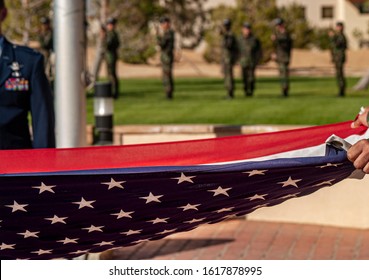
{"points": [[190, 207], [93, 228], [255, 172], [114, 184], [28, 234], [7, 246], [104, 243], [194, 221], [79, 252], [123, 214], [17, 207], [159, 220], [84, 203], [152, 198], [44, 188], [231, 216], [68, 240], [140, 241], [330, 165], [327, 183], [290, 182], [289, 196], [224, 210], [42, 252], [260, 206], [167, 231], [184, 178], [131, 232], [56, 219], [220, 191], [257, 197]]}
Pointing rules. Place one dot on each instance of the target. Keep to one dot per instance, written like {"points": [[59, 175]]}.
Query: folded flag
{"points": [[62, 203]]}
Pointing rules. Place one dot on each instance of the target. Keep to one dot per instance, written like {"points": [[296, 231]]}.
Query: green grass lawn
{"points": [[312, 101]]}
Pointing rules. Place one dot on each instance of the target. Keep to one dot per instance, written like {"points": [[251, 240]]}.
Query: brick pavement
{"points": [[242, 239]]}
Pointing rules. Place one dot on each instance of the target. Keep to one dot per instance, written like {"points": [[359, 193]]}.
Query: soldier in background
{"points": [[230, 54], [338, 50], [283, 46], [250, 55], [166, 42], [111, 46], [47, 46]]}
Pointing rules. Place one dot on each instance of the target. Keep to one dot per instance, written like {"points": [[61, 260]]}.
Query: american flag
{"points": [[51, 209]]}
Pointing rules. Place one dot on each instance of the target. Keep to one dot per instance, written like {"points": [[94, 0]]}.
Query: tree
{"points": [[189, 20], [28, 13], [363, 83], [133, 18], [136, 19], [302, 32], [213, 39], [260, 13]]}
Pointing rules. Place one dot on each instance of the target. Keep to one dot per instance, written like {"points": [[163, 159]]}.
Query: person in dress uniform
{"points": [[24, 89]]}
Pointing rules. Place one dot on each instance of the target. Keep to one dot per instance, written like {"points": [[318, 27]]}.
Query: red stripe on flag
{"points": [[167, 154]]}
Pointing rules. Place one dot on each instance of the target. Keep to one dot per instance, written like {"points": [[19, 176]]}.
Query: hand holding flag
{"points": [[362, 118], [359, 153]]}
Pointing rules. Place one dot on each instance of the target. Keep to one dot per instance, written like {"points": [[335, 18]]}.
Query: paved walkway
{"points": [[192, 64], [241, 239]]}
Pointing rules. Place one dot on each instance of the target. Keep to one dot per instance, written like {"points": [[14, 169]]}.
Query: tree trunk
{"points": [[104, 7], [27, 22]]}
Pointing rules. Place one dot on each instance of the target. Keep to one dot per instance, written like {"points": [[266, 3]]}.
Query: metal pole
{"points": [[70, 100], [103, 111]]}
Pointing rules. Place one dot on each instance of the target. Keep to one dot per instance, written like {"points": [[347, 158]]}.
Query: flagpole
{"points": [[70, 101]]}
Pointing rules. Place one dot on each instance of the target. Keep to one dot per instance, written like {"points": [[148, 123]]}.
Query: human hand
{"points": [[358, 154], [362, 119]]}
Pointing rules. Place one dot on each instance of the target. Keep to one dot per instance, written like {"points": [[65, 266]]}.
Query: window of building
{"points": [[327, 12], [364, 7]]}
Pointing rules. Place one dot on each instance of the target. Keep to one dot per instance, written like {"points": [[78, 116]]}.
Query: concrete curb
{"points": [[131, 134]]}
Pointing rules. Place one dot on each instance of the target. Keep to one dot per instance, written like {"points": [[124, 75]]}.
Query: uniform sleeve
{"points": [[46, 41], [284, 41], [42, 108], [112, 41], [259, 52], [166, 42], [171, 41], [228, 41], [289, 43], [161, 41], [343, 42], [339, 42], [235, 46]]}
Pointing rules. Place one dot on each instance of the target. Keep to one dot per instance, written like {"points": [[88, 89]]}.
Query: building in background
{"points": [[325, 13], [209, 4]]}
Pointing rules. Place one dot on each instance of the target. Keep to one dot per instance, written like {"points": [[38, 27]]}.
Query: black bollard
{"points": [[103, 111]]}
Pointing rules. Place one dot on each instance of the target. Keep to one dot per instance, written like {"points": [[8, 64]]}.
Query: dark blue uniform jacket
{"points": [[24, 88]]}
